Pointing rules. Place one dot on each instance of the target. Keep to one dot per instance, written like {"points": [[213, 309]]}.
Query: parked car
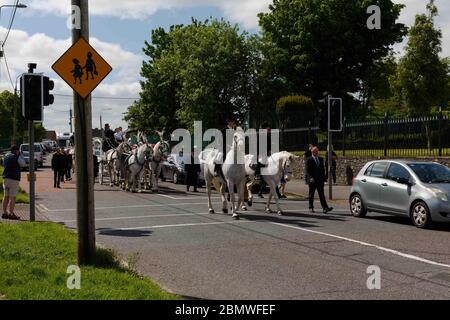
{"points": [[38, 154], [49, 145], [173, 169], [418, 190]]}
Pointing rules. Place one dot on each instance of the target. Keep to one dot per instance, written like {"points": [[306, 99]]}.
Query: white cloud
{"points": [[241, 11]]}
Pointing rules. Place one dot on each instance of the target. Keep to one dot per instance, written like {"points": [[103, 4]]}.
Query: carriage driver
{"points": [[263, 151], [226, 145], [109, 141]]}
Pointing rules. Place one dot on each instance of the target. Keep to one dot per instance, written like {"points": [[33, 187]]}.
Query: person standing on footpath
{"points": [[68, 165], [58, 167], [316, 173], [192, 171], [13, 163]]}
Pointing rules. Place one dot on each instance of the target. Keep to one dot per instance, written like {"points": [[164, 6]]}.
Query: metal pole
{"points": [[71, 118], [32, 168], [329, 153], [440, 132], [84, 156], [101, 127], [14, 136], [385, 134], [31, 164], [343, 136]]}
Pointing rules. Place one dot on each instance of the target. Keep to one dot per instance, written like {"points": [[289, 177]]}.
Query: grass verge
{"points": [[34, 258], [22, 197]]}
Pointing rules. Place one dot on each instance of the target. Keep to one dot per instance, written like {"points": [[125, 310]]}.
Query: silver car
{"points": [[419, 190]]}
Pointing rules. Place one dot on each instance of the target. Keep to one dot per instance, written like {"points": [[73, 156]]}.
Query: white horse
{"points": [[113, 162], [160, 153], [278, 165], [234, 171], [135, 167], [208, 159]]}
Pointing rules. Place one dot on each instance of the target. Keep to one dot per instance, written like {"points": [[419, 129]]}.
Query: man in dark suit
{"points": [[316, 173]]}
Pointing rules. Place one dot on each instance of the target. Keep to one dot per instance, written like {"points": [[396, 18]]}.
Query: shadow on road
{"points": [[124, 233], [407, 222]]}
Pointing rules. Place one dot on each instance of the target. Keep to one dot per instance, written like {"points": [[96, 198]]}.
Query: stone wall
{"points": [[356, 164]]}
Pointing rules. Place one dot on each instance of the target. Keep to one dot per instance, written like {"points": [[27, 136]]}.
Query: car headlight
{"points": [[441, 195]]}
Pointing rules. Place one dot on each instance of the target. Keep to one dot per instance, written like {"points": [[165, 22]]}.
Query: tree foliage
{"points": [[295, 111], [198, 72], [9, 102], [422, 79], [324, 45]]}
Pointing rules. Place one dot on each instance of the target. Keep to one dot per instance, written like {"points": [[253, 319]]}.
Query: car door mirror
{"points": [[404, 181]]}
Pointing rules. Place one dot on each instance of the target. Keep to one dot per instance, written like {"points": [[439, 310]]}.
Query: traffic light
{"points": [[31, 96], [335, 112], [48, 85], [323, 114]]}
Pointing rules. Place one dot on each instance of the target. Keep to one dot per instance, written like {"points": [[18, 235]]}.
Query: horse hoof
{"points": [[280, 213], [211, 211], [236, 216], [225, 211], [269, 211], [244, 208], [250, 203]]}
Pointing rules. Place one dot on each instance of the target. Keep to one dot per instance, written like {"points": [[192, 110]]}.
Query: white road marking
{"points": [[165, 216], [395, 252], [178, 198], [184, 225], [143, 217], [134, 207]]}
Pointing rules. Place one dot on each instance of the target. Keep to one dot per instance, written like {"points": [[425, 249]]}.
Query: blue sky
{"points": [[118, 30]]}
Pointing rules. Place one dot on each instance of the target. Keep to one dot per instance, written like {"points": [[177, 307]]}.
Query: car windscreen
{"points": [[25, 148], [431, 172]]}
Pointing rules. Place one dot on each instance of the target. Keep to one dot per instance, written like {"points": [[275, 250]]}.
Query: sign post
{"points": [[334, 125], [83, 69]]}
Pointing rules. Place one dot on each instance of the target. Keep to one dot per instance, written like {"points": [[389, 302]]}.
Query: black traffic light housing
{"points": [[335, 114], [323, 114], [35, 94], [31, 96], [48, 85]]}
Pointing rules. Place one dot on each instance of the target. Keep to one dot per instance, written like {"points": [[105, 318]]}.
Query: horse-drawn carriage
{"points": [[101, 158]]}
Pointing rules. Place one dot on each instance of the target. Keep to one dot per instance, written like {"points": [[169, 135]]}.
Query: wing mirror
{"points": [[408, 182]]}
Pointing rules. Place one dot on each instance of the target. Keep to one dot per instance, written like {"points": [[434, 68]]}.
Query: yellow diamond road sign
{"points": [[82, 68]]}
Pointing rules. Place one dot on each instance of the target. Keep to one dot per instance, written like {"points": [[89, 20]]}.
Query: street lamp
{"points": [[20, 6]]}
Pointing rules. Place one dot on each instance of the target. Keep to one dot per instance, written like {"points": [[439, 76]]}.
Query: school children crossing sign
{"points": [[82, 68]]}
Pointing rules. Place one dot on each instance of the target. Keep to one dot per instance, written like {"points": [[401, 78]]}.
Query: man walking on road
{"points": [[316, 173], [13, 163]]}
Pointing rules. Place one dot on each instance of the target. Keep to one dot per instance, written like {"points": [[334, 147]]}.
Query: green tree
{"points": [[325, 45], [295, 111], [422, 79], [9, 102], [199, 72]]}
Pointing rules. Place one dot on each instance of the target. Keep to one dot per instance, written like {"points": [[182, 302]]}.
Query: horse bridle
{"points": [[284, 169]]}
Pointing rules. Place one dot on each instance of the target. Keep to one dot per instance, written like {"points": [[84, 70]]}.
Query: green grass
{"points": [[34, 258], [22, 197], [376, 153]]}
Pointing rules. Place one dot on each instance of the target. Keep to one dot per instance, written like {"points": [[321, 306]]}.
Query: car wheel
{"points": [[175, 178], [357, 207], [420, 215]]}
